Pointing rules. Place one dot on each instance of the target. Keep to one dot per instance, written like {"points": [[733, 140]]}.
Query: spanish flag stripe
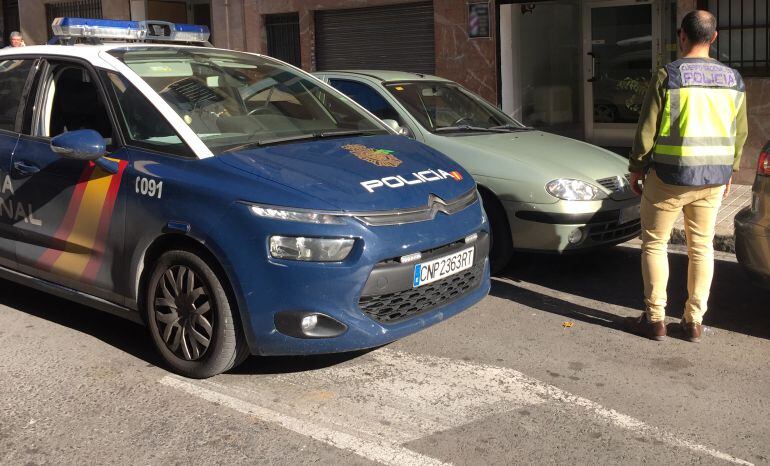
{"points": [[97, 254], [83, 235], [50, 256]]}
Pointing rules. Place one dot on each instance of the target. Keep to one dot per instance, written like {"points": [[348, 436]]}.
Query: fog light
{"points": [[575, 236], [309, 323], [301, 324]]}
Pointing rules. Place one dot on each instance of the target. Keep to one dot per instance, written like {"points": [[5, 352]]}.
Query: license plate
{"points": [[442, 267], [629, 214]]}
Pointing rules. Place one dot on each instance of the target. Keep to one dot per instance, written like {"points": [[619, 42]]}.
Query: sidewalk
{"points": [[724, 239]]}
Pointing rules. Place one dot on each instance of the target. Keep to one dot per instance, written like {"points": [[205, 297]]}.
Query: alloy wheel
{"points": [[184, 313]]}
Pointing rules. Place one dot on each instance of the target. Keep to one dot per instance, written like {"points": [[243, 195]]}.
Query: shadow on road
{"points": [[122, 334], [613, 276], [133, 339], [289, 364]]}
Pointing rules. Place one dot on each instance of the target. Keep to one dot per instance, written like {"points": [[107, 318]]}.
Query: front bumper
{"points": [[268, 288], [752, 246], [547, 227]]}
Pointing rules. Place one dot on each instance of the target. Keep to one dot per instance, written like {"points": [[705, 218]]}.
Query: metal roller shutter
{"points": [[397, 37]]}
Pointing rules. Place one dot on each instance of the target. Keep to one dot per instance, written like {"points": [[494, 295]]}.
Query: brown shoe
{"points": [[641, 326], [692, 331]]}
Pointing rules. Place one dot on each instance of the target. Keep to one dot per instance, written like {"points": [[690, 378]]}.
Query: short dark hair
{"points": [[699, 26]]}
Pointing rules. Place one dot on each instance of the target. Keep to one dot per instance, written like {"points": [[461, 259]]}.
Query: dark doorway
{"points": [[10, 20], [202, 14], [75, 9], [283, 37]]}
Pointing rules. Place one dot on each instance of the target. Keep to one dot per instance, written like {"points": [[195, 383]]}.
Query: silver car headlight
{"points": [[574, 190], [300, 248], [297, 215]]}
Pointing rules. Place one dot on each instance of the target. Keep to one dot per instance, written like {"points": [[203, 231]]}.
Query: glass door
{"points": [[620, 43]]}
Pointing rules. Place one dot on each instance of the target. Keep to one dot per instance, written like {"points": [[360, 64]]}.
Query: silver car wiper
{"points": [[513, 128], [444, 129]]}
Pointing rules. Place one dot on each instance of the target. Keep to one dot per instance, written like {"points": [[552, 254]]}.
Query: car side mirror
{"points": [[82, 144], [393, 124]]}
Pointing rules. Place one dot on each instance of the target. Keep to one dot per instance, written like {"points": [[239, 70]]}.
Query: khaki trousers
{"points": [[661, 205]]}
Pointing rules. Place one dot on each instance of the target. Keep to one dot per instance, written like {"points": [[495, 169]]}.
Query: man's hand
{"points": [[728, 187], [636, 178]]}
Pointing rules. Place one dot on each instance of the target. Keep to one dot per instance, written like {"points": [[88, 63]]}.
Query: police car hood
{"points": [[370, 173]]}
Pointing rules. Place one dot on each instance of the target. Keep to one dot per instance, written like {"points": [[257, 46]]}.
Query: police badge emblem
{"points": [[379, 157]]}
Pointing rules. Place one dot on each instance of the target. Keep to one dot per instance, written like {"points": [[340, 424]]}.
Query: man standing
{"points": [[688, 143], [16, 40]]}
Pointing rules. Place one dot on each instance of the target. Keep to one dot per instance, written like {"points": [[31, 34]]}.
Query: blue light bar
{"points": [[109, 29]]}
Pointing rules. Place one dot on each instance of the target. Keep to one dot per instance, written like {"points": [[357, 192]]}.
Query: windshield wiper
{"points": [[302, 137], [352, 132], [469, 128], [271, 141], [513, 128]]}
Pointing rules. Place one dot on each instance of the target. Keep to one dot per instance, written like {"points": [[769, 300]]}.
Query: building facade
{"points": [[574, 67]]}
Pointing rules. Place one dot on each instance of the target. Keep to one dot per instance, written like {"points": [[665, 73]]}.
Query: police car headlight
{"points": [[298, 215], [300, 248], [573, 190]]}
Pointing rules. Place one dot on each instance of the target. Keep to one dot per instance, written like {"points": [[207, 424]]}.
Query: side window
{"points": [[72, 102], [368, 98], [142, 123], [13, 77]]}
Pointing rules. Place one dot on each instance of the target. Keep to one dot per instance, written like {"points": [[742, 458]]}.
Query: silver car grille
{"points": [[615, 183]]}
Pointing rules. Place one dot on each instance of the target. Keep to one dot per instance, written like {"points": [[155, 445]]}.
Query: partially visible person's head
{"points": [[16, 39], [699, 28]]}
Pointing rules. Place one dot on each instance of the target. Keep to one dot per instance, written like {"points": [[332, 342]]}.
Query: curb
{"points": [[723, 243]]}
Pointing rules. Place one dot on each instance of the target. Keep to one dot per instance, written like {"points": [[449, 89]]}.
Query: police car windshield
{"points": [[446, 107], [233, 100]]}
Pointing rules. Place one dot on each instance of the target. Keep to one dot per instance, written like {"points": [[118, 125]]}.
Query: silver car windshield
{"points": [[446, 107], [232, 100]]}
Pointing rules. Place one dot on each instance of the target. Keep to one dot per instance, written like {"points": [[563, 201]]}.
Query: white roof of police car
{"points": [[94, 54]]}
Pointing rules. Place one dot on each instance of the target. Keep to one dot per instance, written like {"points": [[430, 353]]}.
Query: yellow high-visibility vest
{"points": [[695, 145]]}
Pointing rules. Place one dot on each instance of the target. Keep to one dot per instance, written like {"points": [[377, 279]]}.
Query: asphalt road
{"points": [[508, 381]]}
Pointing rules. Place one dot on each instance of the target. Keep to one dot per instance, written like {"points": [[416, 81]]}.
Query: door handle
{"points": [[24, 168], [593, 77]]}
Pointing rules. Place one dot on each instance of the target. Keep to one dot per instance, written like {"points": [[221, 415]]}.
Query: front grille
{"points": [[402, 305], [613, 231], [613, 183]]}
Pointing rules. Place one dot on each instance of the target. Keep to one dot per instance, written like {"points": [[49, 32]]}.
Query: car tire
{"points": [[501, 243], [190, 317]]}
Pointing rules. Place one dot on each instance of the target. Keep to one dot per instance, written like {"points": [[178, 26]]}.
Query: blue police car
{"points": [[231, 202]]}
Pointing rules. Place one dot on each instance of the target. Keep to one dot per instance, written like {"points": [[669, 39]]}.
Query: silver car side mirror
{"points": [[393, 124]]}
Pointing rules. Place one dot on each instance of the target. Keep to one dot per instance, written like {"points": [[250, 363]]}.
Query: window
{"points": [[143, 124], [283, 37], [368, 98], [72, 103], [13, 77], [743, 37], [232, 100], [443, 106], [72, 8]]}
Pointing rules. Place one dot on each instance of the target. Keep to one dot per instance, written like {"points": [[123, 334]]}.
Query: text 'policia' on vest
{"points": [[696, 142]]}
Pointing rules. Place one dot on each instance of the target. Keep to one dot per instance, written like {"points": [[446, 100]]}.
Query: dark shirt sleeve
{"points": [[649, 122]]}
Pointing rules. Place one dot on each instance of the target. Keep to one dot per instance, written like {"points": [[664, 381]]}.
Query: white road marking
{"points": [[372, 405], [380, 452]]}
